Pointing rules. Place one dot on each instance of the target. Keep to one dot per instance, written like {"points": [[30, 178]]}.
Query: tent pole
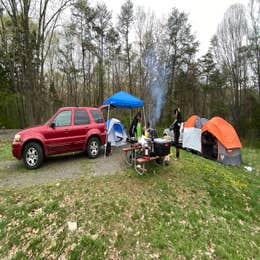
{"points": [[144, 118], [105, 154]]}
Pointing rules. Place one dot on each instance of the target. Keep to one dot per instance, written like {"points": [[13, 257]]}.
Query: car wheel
{"points": [[93, 147], [33, 155]]}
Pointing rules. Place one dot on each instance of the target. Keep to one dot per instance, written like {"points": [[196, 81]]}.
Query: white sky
{"points": [[204, 15]]}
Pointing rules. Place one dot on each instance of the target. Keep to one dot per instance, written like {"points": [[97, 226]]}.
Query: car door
{"points": [[99, 123], [80, 129], [57, 136]]}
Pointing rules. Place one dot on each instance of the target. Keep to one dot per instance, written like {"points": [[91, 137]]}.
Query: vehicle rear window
{"points": [[97, 116], [81, 118], [63, 118]]}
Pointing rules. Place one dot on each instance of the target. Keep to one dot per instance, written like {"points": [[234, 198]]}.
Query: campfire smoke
{"points": [[157, 82]]}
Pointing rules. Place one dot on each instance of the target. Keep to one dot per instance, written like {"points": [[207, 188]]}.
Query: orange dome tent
{"points": [[191, 121], [221, 142], [192, 133]]}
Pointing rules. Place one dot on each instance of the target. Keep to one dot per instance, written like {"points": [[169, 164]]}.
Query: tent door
{"points": [[209, 146]]}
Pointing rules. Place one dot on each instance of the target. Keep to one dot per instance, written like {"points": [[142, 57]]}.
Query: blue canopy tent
{"points": [[123, 99]]}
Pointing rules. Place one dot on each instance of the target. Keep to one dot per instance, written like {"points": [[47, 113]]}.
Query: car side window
{"points": [[63, 118], [97, 116], [81, 117]]}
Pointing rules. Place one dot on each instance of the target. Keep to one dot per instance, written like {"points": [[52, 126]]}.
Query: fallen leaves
{"points": [[72, 226]]}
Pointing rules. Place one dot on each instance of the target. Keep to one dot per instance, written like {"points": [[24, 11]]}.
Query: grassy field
{"points": [[5, 149], [195, 208]]}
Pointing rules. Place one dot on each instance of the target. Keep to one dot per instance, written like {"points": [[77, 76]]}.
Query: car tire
{"points": [[93, 147], [33, 155]]}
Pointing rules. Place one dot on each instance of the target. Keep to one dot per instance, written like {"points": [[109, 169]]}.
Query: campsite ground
{"points": [[195, 208], [13, 172]]}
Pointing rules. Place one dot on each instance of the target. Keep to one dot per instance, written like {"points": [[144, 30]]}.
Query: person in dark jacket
{"points": [[133, 126], [176, 129]]}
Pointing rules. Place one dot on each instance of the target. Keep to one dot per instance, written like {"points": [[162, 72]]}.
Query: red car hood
{"points": [[35, 129]]}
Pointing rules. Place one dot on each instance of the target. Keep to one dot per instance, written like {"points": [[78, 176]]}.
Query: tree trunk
{"points": [[129, 66]]}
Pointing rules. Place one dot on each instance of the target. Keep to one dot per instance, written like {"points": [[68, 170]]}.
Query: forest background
{"points": [[72, 53]]}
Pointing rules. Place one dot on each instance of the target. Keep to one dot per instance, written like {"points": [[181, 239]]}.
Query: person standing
{"points": [[135, 128], [176, 129]]}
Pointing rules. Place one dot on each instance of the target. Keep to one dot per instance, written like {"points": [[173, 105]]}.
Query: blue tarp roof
{"points": [[124, 100]]}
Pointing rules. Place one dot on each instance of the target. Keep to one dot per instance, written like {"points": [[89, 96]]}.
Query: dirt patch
{"points": [[13, 173]]}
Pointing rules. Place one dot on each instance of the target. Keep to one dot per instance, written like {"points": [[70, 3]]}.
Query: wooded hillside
{"points": [[71, 53]]}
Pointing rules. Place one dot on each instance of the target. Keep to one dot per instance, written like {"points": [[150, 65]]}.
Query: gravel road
{"points": [[13, 173]]}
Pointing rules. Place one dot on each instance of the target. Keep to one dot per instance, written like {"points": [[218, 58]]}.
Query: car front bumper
{"points": [[17, 150]]}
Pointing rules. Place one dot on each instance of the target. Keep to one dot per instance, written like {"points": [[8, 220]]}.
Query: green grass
{"points": [[193, 208], [5, 149]]}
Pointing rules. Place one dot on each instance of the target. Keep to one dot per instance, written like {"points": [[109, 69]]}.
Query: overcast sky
{"points": [[204, 15]]}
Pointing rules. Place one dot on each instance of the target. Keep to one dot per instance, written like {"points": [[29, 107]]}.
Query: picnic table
{"points": [[135, 157]]}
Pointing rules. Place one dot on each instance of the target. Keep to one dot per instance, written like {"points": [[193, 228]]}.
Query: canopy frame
{"points": [[117, 101]]}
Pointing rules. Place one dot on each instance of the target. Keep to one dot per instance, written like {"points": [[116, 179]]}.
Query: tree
{"points": [[83, 22], [27, 45], [67, 64], [125, 20], [181, 46], [228, 50], [147, 42], [140, 24], [45, 64], [212, 97], [254, 41], [102, 28], [113, 46]]}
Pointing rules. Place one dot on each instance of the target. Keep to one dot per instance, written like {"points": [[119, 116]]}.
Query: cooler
{"points": [[161, 147]]}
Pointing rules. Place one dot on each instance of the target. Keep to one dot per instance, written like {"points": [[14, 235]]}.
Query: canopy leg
{"points": [[144, 117], [105, 154]]}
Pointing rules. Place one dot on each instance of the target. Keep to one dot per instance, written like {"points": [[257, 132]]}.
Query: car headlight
{"points": [[17, 138]]}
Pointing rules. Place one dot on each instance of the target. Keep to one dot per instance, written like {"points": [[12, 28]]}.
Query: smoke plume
{"points": [[157, 82]]}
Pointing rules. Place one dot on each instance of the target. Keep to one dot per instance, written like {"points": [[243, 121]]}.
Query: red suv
{"points": [[71, 129]]}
